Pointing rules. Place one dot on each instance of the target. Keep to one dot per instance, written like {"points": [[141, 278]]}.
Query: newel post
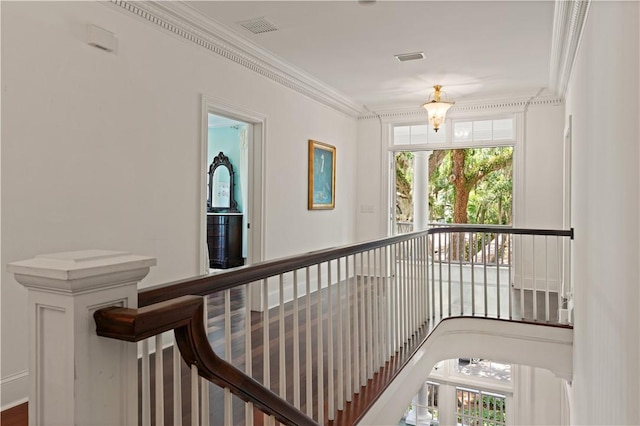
{"points": [[76, 377]]}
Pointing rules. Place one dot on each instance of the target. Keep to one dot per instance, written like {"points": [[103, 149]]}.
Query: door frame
{"points": [[256, 167]]}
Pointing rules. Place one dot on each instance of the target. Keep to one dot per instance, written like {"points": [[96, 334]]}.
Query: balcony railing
{"points": [[329, 324]]}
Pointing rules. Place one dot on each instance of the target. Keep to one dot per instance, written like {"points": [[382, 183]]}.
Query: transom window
{"points": [[418, 134], [484, 130]]}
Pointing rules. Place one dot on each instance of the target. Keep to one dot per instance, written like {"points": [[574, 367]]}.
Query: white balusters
{"points": [[433, 277], [461, 258], [159, 379], [546, 271], [522, 272], [472, 257], [348, 328], [146, 385], [393, 302], [386, 320], [177, 386], [404, 308], [509, 264], [308, 360], [560, 286], [413, 286], [363, 325], [368, 284], [450, 249], [266, 356], [228, 409], [195, 415], [485, 257], [204, 384], [330, 373], [282, 385], [440, 273], [296, 343], [320, 348], [340, 349], [497, 257], [534, 285], [376, 313], [248, 351]]}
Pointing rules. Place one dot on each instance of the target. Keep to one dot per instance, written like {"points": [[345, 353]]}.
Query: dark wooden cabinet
{"points": [[224, 238]]}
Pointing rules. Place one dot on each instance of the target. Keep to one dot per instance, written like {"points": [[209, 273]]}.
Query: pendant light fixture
{"points": [[437, 108]]}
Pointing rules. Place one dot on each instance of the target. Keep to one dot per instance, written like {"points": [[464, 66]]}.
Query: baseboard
{"points": [[14, 389]]}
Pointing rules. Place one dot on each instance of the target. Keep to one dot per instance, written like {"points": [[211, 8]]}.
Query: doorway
{"points": [[227, 139], [239, 135]]}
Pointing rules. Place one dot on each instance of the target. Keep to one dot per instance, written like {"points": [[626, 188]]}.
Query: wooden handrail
{"points": [[501, 230], [185, 315], [208, 284]]}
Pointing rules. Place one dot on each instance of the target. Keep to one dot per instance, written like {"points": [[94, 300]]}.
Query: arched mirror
{"points": [[221, 186]]}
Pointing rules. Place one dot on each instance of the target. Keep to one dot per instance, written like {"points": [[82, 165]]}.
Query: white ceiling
{"points": [[475, 49]]}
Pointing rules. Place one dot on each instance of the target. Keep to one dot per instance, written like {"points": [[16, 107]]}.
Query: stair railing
{"points": [[329, 322]]}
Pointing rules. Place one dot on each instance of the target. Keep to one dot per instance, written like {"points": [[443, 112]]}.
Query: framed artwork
{"points": [[322, 176]]}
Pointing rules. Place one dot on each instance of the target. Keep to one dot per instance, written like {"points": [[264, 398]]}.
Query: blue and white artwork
{"points": [[322, 180]]}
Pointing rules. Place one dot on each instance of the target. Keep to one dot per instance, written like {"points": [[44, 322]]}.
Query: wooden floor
{"points": [[18, 415]]}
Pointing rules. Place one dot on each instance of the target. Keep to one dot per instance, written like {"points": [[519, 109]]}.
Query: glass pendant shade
{"points": [[437, 109]]}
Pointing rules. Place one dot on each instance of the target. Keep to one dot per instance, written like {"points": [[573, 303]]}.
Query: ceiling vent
{"points": [[258, 25], [403, 57]]}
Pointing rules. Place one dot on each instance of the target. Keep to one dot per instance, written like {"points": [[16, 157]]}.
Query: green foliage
{"points": [[404, 185], [490, 412], [488, 174]]}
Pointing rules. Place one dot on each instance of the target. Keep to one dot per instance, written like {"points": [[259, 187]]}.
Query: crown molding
{"points": [[188, 24], [568, 23], [518, 104]]}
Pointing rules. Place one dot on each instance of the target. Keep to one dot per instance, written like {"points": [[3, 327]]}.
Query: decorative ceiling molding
{"points": [[568, 22], [188, 24], [493, 106]]}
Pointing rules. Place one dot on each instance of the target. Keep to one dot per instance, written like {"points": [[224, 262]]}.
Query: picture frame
{"points": [[322, 176]]}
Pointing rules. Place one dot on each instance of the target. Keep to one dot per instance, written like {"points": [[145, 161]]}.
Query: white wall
{"points": [[537, 396], [541, 205], [102, 150], [604, 104], [371, 205], [538, 194]]}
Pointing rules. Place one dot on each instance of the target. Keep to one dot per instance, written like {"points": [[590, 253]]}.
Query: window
{"points": [[432, 399], [467, 169], [479, 408], [419, 134], [484, 130]]}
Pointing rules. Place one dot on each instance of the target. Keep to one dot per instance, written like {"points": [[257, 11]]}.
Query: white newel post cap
{"points": [[81, 271], [75, 376]]}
